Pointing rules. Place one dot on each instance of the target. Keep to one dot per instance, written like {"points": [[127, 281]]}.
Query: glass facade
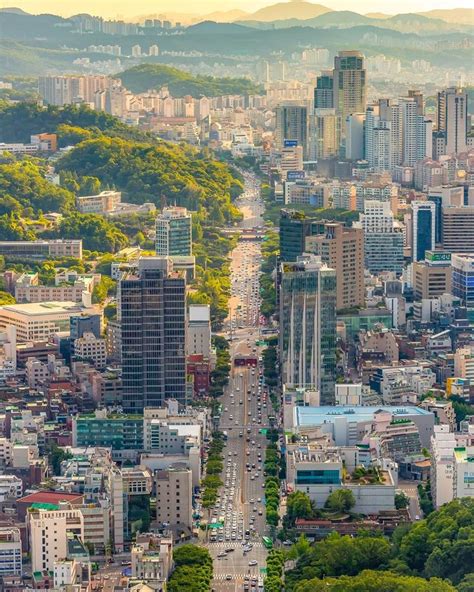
{"points": [[308, 327], [174, 234], [384, 252], [153, 313], [318, 477], [120, 433], [294, 228], [423, 233]]}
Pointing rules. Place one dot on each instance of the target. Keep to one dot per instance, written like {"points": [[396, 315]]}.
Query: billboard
{"points": [[294, 175], [438, 256], [290, 143]]}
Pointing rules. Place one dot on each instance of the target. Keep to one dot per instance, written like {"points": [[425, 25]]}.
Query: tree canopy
{"points": [[180, 83]]}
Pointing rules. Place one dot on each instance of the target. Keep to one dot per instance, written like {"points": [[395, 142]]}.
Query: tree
{"points": [[401, 500], [374, 581], [97, 233], [299, 505], [105, 288], [341, 500], [56, 456], [6, 298]]}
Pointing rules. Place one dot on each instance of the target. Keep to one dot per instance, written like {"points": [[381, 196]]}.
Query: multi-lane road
{"points": [[245, 411]]}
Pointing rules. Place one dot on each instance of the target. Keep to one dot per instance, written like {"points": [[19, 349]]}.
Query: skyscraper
{"points": [[350, 83], [327, 134], [294, 228], [452, 119], [292, 123], [153, 316], [324, 91], [424, 228], [174, 232], [308, 326], [342, 249]]}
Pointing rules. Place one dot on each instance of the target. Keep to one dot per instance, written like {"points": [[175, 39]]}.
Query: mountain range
{"points": [[298, 10]]}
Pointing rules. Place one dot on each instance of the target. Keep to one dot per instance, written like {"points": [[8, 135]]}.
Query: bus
{"points": [[267, 541]]}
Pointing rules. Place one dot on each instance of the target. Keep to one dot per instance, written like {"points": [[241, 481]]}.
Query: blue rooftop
{"points": [[310, 416]]}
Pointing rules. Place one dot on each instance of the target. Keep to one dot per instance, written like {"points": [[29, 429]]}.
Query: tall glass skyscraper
{"points": [[424, 228], [308, 326], [153, 317]]}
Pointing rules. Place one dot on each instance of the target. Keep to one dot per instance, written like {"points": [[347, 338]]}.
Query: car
{"points": [[228, 577], [221, 555], [253, 562]]}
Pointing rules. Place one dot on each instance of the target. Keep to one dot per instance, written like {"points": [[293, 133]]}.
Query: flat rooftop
{"points": [[311, 416], [41, 308]]}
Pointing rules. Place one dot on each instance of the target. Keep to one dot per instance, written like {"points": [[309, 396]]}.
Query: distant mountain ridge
{"points": [[411, 22], [297, 9]]}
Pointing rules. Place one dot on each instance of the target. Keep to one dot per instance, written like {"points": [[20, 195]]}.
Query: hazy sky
{"points": [[114, 8]]}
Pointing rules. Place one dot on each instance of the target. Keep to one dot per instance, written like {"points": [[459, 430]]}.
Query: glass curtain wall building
{"points": [[308, 326], [153, 316]]}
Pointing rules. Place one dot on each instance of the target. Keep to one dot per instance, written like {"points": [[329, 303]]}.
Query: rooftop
{"points": [[308, 416], [50, 497], [43, 308]]}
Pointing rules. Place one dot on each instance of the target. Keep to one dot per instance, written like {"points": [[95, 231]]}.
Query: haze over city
{"points": [[236, 296], [117, 8]]}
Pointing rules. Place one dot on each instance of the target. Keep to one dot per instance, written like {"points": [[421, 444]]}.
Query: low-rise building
{"points": [[319, 472], [10, 552], [152, 558], [39, 321]]}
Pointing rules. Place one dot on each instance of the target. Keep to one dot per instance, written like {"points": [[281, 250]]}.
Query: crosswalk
{"points": [[239, 576], [224, 545]]}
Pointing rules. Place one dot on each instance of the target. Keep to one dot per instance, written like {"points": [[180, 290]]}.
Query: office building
{"points": [[453, 119], [346, 425], [423, 228], [433, 276], [350, 83], [355, 136], [308, 326], [198, 337], [174, 491], [153, 315], [295, 226], [292, 123], [40, 321], [79, 325], [463, 277], [457, 229], [10, 552], [383, 238], [306, 191], [342, 249], [174, 232], [326, 136], [41, 249], [324, 91], [318, 472], [122, 433]]}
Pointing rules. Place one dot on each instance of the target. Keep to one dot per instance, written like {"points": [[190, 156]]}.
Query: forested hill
{"points": [[153, 76], [18, 121]]}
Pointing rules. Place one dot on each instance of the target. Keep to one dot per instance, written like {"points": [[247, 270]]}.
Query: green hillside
{"points": [[153, 76]]}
